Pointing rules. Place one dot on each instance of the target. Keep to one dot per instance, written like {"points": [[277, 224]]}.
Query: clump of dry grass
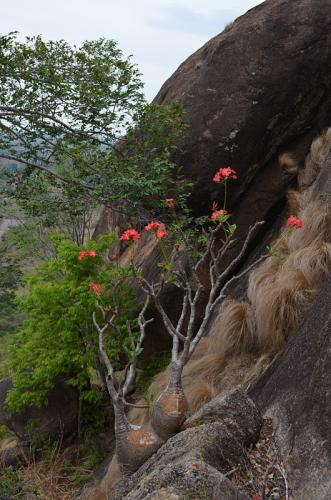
{"points": [[57, 475], [235, 334]]}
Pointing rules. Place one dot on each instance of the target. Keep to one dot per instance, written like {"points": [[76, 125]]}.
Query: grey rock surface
{"points": [[296, 393], [58, 419], [12, 454], [257, 88], [195, 461], [233, 408]]}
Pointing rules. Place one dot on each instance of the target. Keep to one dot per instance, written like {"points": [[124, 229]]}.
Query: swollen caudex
{"points": [[169, 411], [134, 444]]}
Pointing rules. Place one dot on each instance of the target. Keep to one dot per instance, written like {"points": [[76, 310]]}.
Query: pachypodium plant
{"points": [[203, 243], [134, 444]]}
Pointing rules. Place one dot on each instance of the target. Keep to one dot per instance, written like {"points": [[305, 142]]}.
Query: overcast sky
{"points": [[160, 34]]}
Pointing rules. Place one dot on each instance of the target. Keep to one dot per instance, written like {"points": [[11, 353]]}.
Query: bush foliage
{"points": [[57, 336]]}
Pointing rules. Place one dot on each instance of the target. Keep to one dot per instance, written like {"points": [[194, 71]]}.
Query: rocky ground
{"points": [[263, 475]]}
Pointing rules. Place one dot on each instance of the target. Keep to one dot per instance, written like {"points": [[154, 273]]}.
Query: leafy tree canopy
{"points": [[10, 279], [63, 114]]}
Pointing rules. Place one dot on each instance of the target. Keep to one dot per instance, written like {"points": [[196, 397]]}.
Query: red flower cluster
{"points": [[158, 227], [217, 213], [130, 235], [170, 202], [95, 288], [294, 221], [86, 253], [153, 226], [224, 174]]}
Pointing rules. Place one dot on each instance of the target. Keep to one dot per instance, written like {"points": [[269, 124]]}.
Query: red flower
{"points": [[294, 221], [256, 497], [86, 253], [224, 174], [81, 255], [195, 466], [91, 253], [114, 257], [130, 235], [158, 227], [170, 202], [153, 226], [217, 213], [95, 288], [161, 233]]}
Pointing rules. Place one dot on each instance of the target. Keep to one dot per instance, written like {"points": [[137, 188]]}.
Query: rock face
{"points": [[12, 454], [195, 462], [252, 91], [56, 420], [295, 390], [234, 409]]}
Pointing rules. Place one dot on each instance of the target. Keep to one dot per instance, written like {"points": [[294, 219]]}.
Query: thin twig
{"points": [[283, 473]]}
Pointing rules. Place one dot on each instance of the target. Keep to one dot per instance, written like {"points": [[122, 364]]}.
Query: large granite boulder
{"points": [[252, 91], [57, 420], [257, 89], [295, 391], [195, 462]]}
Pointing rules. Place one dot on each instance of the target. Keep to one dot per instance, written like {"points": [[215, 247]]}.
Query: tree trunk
{"points": [[134, 444], [170, 408]]}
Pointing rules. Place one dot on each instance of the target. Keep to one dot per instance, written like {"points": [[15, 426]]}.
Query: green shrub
{"points": [[57, 336]]}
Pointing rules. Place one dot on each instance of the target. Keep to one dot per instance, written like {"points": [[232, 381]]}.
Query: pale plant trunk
{"points": [[170, 408], [134, 444]]}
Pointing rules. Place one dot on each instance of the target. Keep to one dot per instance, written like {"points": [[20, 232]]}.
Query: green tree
{"points": [[63, 114], [10, 279], [57, 336]]}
